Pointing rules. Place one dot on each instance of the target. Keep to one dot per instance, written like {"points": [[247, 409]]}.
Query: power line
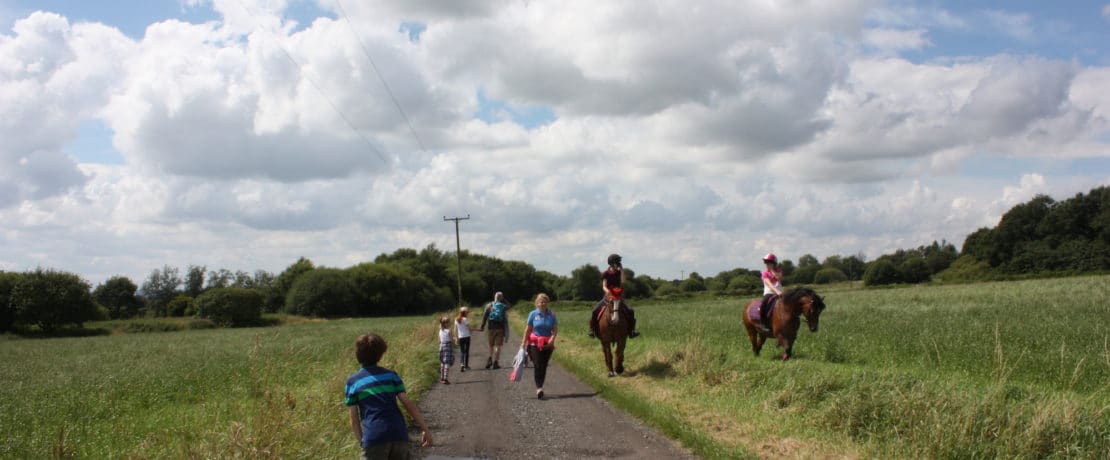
{"points": [[458, 250], [379, 74], [318, 89]]}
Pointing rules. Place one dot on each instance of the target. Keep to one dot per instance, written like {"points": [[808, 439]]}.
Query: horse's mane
{"points": [[795, 295]]}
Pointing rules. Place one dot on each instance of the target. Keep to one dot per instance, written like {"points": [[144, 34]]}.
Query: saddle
{"points": [[760, 312], [608, 308]]}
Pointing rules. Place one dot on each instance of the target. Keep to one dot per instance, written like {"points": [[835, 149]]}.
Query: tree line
{"points": [[1038, 236]]}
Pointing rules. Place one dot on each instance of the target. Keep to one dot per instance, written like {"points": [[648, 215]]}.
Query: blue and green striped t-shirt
{"points": [[374, 389]]}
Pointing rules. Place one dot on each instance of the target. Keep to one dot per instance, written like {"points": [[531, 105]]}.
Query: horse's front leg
{"points": [[789, 341], [608, 357]]}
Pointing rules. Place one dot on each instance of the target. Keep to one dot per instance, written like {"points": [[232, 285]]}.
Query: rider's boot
{"points": [[632, 324], [593, 324]]}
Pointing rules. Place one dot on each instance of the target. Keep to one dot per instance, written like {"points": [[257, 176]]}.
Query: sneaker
{"points": [[539, 393], [496, 365], [489, 363], [462, 369], [634, 334], [444, 381]]}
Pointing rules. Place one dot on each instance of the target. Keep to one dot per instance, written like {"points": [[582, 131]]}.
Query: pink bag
{"points": [[518, 367]]}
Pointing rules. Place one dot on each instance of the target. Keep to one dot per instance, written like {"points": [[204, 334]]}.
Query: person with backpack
{"points": [[494, 315]]}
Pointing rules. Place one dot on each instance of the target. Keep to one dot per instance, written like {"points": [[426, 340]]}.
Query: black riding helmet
{"points": [[614, 259]]}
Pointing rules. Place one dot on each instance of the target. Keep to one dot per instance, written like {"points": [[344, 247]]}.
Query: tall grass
{"points": [[255, 392], [1007, 369]]}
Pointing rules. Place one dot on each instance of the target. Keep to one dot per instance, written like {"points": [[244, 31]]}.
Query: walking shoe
{"points": [[489, 363], [444, 381], [539, 393], [462, 369], [496, 365]]}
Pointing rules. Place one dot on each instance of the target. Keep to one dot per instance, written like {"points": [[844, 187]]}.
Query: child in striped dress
{"points": [[446, 350]]}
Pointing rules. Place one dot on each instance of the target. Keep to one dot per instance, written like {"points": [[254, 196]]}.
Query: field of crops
{"points": [[215, 393], [1010, 369]]}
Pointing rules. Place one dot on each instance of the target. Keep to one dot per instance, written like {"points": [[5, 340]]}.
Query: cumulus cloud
{"points": [[52, 75], [691, 132]]}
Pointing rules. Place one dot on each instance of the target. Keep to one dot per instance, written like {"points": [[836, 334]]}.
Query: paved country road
{"points": [[482, 414]]}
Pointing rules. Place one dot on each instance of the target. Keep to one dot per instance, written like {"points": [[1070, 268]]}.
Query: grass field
{"points": [[1010, 369], [273, 392]]}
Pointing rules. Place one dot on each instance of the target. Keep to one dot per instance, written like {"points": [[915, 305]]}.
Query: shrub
{"points": [[230, 307], [666, 289], [321, 292], [117, 295], [8, 281], [803, 275], [966, 269], [829, 275], [179, 306], [50, 299], [745, 284], [386, 289], [914, 270], [880, 272]]}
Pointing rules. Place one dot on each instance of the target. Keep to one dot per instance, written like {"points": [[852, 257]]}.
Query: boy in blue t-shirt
{"points": [[372, 395]]}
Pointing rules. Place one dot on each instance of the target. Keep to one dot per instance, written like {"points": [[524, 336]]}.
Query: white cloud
{"points": [[1106, 11], [895, 40], [685, 137]]}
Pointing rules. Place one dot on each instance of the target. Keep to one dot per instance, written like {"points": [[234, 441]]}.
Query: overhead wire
{"points": [[374, 66], [320, 90]]}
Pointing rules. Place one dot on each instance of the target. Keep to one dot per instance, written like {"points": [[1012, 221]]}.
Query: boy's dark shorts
{"points": [[387, 451]]}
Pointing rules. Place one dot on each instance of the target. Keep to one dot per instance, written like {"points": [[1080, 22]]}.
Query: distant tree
{"points": [[194, 280], [803, 275], [51, 299], [8, 280], [179, 305], [807, 260], [914, 270], [746, 284], [161, 287], [881, 271], [230, 307], [829, 275], [854, 265], [666, 289], [586, 283], [788, 268], [322, 292], [242, 279], [275, 297], [693, 283], [383, 289], [219, 279], [263, 279], [117, 295]]}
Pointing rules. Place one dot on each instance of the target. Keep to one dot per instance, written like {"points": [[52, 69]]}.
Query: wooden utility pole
{"points": [[458, 251]]}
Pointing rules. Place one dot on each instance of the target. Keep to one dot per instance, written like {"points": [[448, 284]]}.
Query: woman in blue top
{"points": [[540, 330]]}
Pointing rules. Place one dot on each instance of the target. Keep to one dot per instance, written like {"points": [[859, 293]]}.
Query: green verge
{"points": [[1001, 369], [216, 393]]}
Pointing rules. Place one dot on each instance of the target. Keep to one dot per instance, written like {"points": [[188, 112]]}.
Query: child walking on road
{"points": [[446, 350], [372, 394], [462, 328]]}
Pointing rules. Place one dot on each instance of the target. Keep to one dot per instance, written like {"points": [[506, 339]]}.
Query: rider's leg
{"points": [[632, 322], [593, 319]]}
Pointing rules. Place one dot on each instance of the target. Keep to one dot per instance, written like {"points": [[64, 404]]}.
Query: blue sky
{"points": [[568, 130]]}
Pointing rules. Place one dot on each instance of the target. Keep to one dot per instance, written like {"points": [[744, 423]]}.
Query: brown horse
{"points": [[785, 318], [613, 329]]}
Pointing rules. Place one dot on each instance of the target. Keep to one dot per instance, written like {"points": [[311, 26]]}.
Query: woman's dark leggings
{"points": [[540, 359], [464, 351]]}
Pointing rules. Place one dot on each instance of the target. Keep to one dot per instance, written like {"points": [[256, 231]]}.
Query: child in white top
{"points": [[462, 328], [446, 351]]}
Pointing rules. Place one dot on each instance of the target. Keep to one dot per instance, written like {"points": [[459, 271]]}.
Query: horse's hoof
{"points": [[785, 357], [620, 369], [611, 374]]}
